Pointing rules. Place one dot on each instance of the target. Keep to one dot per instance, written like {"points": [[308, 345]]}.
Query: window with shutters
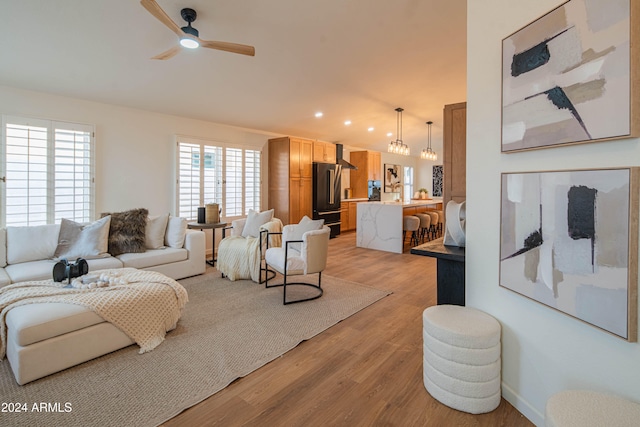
{"points": [[408, 183], [46, 172], [210, 172]]}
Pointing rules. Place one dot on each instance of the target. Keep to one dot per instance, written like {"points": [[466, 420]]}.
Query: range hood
{"points": [[342, 162]]}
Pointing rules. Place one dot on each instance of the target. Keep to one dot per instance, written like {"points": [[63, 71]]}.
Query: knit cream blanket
{"points": [[145, 308], [239, 257]]}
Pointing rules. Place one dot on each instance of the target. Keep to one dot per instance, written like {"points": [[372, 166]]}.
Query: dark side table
{"points": [[450, 270], [212, 226]]}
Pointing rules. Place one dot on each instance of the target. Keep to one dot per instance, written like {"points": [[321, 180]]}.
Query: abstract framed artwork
{"points": [[572, 76], [569, 240], [392, 178], [437, 181]]}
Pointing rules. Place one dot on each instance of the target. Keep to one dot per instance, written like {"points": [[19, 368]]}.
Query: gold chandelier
{"points": [[428, 153], [397, 146]]}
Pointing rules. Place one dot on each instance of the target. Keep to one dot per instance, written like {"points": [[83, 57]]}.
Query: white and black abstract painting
{"points": [[567, 78], [565, 242], [437, 181]]}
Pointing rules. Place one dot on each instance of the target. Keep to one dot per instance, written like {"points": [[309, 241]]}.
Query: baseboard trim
{"points": [[522, 405]]}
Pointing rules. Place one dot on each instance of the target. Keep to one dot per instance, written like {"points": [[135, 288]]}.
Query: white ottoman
{"points": [[461, 366], [582, 408]]}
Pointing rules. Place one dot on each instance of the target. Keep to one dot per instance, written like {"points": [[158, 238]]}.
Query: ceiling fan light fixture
{"points": [[189, 43]]}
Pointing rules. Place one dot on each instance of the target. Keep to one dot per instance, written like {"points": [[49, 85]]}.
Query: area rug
{"points": [[228, 330]]}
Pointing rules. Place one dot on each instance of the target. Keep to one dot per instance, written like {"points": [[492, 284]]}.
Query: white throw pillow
{"points": [[176, 232], [305, 224], [31, 243], [254, 221], [86, 241], [155, 231]]}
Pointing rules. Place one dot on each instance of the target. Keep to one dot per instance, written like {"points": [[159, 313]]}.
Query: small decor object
{"points": [[424, 194], [569, 240], [392, 182], [570, 76], [64, 269], [212, 213], [202, 216], [456, 215]]}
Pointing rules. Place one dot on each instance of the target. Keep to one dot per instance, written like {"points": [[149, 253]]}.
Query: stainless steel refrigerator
{"points": [[326, 195]]}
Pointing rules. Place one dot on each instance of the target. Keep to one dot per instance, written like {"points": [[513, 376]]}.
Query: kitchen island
{"points": [[379, 224]]}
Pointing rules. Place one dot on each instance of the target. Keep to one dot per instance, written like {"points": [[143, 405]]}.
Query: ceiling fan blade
{"points": [[242, 49], [155, 9], [169, 53]]}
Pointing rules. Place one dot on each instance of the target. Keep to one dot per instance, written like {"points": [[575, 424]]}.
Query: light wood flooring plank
{"points": [[364, 371]]}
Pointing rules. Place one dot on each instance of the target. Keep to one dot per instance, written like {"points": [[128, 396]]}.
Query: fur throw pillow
{"points": [[127, 231]]}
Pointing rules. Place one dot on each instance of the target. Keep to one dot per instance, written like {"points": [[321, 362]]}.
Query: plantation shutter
{"points": [[234, 193], [207, 173], [47, 171]]}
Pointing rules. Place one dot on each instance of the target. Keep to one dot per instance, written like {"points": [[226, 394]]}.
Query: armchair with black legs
{"points": [[303, 252]]}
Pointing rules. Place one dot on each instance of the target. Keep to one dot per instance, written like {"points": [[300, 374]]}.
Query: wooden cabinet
{"points": [[290, 178], [348, 216], [455, 153], [369, 168], [324, 152]]}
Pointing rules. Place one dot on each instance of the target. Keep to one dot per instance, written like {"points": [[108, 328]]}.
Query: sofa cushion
{"points": [[86, 241], [154, 257], [155, 231], [3, 247], [20, 247], [4, 278], [176, 232], [127, 231], [30, 323], [34, 270], [102, 263]]}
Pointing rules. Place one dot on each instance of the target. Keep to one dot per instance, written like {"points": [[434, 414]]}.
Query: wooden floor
{"points": [[364, 371]]}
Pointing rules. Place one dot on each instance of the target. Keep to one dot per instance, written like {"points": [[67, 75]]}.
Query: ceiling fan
{"points": [[189, 35]]}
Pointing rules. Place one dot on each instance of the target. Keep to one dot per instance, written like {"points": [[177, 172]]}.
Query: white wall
{"points": [[135, 149], [544, 351]]}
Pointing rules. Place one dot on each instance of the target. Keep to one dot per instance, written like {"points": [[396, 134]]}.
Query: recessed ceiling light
{"points": [[319, 114], [389, 134], [371, 129], [347, 122]]}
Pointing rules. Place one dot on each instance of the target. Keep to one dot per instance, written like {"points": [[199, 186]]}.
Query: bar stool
{"points": [[440, 221], [434, 223], [410, 223], [425, 225]]}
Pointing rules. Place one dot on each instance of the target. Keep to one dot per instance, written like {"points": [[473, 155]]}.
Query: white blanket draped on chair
{"points": [[239, 257]]}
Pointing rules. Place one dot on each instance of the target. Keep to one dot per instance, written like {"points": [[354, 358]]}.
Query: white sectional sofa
{"points": [[45, 338]]}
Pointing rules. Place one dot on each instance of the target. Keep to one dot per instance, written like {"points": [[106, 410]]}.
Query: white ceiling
{"points": [[351, 59]]}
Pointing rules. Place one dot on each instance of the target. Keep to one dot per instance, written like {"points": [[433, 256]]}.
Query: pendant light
{"points": [[428, 153], [397, 146]]}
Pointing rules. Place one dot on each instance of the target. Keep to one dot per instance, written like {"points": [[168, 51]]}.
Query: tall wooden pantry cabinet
{"points": [[455, 153], [290, 178]]}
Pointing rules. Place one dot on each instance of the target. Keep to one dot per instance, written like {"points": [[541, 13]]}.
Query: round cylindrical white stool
{"points": [[461, 366]]}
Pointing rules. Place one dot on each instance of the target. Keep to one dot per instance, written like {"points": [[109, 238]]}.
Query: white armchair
{"points": [[240, 257], [302, 253]]}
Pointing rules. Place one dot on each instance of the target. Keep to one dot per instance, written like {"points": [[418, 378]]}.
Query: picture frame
{"points": [[571, 77], [569, 240], [392, 178]]}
